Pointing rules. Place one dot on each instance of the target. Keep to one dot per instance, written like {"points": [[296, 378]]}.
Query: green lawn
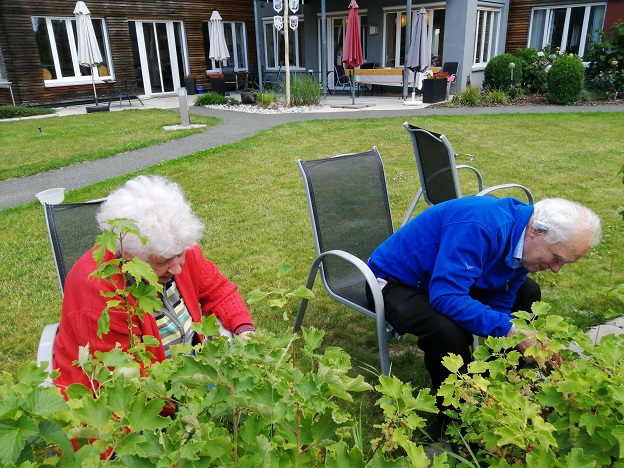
{"points": [[78, 138], [251, 198]]}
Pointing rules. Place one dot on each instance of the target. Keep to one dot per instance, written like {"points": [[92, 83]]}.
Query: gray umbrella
{"points": [[419, 55], [88, 50]]}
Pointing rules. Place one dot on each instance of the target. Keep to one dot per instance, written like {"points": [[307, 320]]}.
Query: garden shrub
{"points": [[496, 96], [305, 90], [529, 72], [471, 97], [565, 80], [605, 73], [497, 74], [266, 99], [12, 112], [210, 99]]}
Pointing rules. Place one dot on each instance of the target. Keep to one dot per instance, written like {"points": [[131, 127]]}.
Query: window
{"points": [[395, 25], [486, 36], [571, 28], [58, 51], [236, 40], [3, 74], [274, 45]]}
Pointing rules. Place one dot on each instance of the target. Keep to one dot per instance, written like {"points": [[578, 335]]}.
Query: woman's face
{"points": [[166, 268]]}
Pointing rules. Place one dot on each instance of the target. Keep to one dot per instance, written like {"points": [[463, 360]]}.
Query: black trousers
{"points": [[408, 310]]}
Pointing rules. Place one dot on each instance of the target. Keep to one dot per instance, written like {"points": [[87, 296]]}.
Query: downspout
{"points": [[258, 51], [324, 48]]}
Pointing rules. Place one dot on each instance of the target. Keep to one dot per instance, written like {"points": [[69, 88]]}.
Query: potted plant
{"points": [[190, 82], [434, 87], [217, 83]]}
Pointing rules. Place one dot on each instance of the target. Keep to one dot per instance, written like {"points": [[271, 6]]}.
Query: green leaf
{"points": [[302, 292], [145, 415], [13, 436], [452, 362], [141, 271], [103, 323], [256, 296], [31, 375], [45, 402], [278, 303], [312, 338], [283, 269], [55, 436]]}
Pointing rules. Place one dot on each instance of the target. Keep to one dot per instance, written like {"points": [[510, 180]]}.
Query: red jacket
{"points": [[201, 285]]}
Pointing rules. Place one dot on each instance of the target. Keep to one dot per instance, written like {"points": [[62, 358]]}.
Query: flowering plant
{"points": [[190, 75], [439, 75], [216, 75]]}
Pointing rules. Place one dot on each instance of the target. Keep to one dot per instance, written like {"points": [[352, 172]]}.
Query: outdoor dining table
{"points": [[390, 76]]}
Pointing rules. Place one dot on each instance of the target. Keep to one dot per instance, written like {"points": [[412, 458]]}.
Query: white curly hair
{"points": [[160, 211], [564, 219]]}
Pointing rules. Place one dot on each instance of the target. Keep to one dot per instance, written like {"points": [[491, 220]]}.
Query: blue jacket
{"points": [[455, 247]]}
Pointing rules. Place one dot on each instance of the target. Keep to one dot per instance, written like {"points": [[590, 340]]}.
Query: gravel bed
{"points": [[253, 109]]}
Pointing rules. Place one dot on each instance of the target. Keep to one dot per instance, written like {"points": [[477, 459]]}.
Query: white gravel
{"points": [[253, 109]]}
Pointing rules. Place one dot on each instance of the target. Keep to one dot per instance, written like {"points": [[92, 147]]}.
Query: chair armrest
{"points": [[489, 190], [476, 172], [471, 156], [270, 77], [45, 350]]}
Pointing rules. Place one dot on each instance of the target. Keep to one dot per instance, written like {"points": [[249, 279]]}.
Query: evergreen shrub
{"points": [[497, 74], [565, 80]]}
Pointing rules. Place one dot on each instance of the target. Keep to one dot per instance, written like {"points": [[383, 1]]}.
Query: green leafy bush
{"points": [[12, 112], [305, 90], [605, 73], [551, 414], [496, 96], [497, 74], [210, 99], [565, 80], [471, 97], [265, 99]]}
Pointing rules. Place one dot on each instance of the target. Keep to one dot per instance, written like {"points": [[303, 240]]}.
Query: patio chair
{"points": [[271, 80], [437, 170], [127, 91], [350, 214], [230, 77], [450, 68]]}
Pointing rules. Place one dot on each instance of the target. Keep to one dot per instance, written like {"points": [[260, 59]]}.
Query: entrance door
{"points": [[159, 53]]}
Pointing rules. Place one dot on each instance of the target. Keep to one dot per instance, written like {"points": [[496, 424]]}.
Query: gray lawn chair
{"points": [[350, 214], [437, 170]]}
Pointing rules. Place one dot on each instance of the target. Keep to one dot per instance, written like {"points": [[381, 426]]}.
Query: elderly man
{"points": [[461, 267]]}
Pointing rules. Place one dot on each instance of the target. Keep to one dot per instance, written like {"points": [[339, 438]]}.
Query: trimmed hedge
{"points": [[497, 74], [565, 80], [13, 112]]}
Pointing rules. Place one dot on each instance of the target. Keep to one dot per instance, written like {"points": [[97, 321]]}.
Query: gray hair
{"points": [[161, 213], [564, 219]]}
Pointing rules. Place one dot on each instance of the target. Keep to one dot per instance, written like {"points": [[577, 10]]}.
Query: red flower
{"points": [[440, 75], [190, 75], [216, 75]]}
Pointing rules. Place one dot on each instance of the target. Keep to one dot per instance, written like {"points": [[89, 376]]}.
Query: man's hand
{"points": [[554, 359]]}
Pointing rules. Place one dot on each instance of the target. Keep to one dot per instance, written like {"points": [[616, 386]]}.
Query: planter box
{"points": [[434, 90], [217, 85], [189, 84]]}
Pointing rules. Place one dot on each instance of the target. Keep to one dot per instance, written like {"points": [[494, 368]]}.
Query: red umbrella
{"points": [[352, 52]]}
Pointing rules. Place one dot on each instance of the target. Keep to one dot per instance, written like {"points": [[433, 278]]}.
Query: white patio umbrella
{"points": [[419, 55], [88, 50], [218, 47]]}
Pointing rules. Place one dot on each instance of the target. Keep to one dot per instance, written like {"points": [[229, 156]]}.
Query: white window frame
{"points": [[241, 64], [548, 20], [394, 14], [77, 78], [3, 72], [487, 33], [273, 41]]}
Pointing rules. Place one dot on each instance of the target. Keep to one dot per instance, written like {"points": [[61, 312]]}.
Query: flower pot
{"points": [[189, 84], [217, 85], [434, 90]]}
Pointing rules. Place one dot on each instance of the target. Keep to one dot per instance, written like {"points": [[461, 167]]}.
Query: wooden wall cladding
{"points": [[21, 56], [518, 24]]}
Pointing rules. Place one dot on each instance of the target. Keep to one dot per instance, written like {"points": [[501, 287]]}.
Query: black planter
{"points": [[434, 90], [189, 84], [217, 85]]}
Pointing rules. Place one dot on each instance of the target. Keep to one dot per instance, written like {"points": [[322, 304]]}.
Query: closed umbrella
{"points": [[419, 55], [352, 51], [88, 50], [218, 47]]}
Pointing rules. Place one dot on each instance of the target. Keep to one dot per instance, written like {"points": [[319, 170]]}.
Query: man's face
{"points": [[539, 255], [166, 268]]}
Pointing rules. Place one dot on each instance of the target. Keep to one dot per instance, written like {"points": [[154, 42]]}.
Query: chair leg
{"points": [[304, 302]]}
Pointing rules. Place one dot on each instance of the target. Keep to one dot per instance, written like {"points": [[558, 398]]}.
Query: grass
{"points": [[78, 138], [250, 196]]}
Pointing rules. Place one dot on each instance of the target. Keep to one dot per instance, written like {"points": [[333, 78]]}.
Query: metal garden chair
{"points": [[350, 214], [437, 170]]}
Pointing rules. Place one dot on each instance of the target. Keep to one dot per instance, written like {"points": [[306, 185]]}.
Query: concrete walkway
{"points": [[239, 125]]}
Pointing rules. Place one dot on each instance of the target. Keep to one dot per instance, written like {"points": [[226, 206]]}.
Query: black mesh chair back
{"points": [[350, 211], [436, 165], [450, 67], [72, 229], [350, 214], [229, 76]]}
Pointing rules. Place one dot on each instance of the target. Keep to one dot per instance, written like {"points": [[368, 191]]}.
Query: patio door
{"points": [[336, 29], [159, 53]]}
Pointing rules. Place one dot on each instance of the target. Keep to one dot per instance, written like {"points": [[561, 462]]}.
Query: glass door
{"points": [[159, 53]]}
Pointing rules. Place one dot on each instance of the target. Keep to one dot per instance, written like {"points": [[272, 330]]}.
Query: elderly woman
{"points": [[192, 285]]}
